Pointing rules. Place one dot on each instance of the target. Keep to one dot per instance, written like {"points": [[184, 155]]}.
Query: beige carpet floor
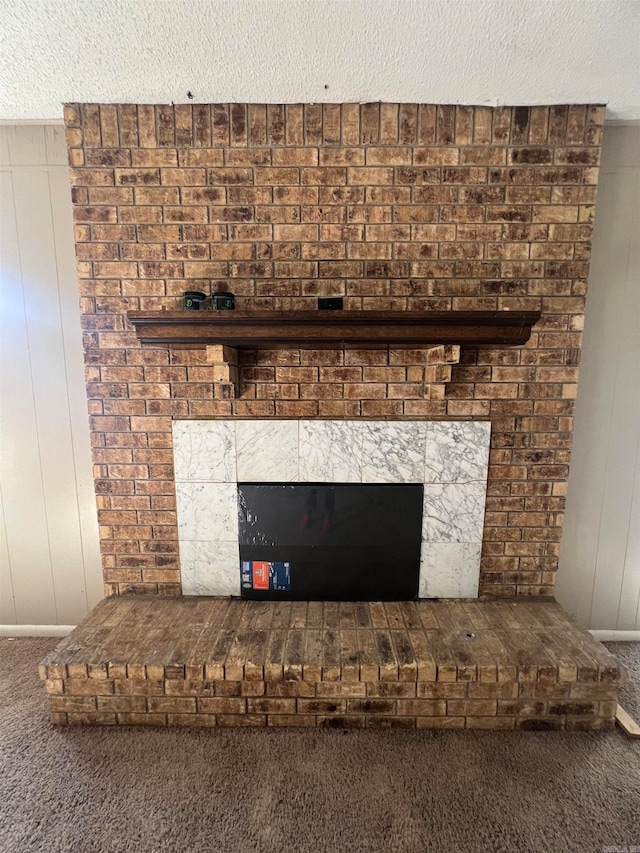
{"points": [[100, 790]]}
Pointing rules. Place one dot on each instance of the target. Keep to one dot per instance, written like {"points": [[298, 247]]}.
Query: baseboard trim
{"points": [[616, 636], [35, 630]]}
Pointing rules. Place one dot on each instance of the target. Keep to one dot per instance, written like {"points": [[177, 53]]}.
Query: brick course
{"points": [[395, 207]]}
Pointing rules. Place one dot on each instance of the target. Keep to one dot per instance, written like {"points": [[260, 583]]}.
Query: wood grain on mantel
{"points": [[327, 329]]}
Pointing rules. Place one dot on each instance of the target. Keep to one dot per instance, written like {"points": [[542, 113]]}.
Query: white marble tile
{"points": [[450, 570], [457, 451], [453, 512], [210, 568], [393, 451], [205, 450], [267, 451], [207, 511], [451, 458], [330, 451]]}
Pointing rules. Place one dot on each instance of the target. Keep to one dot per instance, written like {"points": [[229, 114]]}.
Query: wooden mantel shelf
{"points": [[327, 329]]}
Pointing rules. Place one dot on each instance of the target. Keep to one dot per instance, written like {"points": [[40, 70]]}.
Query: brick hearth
{"points": [[430, 664]]}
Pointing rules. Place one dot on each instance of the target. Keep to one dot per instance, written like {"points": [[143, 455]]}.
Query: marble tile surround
{"points": [[450, 458]]}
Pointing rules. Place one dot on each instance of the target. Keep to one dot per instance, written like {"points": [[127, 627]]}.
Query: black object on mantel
{"points": [[330, 303], [194, 300], [223, 300]]}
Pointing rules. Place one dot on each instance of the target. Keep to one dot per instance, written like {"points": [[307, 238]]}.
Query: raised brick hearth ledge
{"points": [[507, 664]]}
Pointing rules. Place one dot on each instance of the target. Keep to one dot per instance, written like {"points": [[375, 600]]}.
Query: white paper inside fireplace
{"points": [[450, 458]]}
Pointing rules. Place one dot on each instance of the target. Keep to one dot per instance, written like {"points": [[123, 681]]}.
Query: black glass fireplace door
{"points": [[337, 542]]}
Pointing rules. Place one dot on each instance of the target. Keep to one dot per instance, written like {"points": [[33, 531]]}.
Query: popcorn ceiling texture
{"points": [[467, 52], [395, 207]]}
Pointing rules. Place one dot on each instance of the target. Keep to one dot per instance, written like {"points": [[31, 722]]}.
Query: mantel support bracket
{"points": [[436, 372]]}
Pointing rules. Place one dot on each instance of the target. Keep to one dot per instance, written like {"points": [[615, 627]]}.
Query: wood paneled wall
{"points": [[49, 557], [599, 574]]}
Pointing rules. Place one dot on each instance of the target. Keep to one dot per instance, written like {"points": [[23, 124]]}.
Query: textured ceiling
{"points": [[438, 51]]}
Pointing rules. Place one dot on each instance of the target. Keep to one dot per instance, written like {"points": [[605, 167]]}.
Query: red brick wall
{"points": [[393, 206]]}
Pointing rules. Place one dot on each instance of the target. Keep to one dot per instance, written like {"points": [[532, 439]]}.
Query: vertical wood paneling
{"points": [[55, 145], [7, 604], [599, 574], [27, 145], [623, 423], [20, 471], [629, 610], [76, 393], [4, 149], [49, 382], [49, 558]]}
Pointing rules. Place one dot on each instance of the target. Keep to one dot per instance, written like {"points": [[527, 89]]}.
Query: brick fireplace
{"points": [[393, 206], [414, 214]]}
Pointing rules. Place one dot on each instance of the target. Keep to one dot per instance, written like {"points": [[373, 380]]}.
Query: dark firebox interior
{"points": [[335, 541]]}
